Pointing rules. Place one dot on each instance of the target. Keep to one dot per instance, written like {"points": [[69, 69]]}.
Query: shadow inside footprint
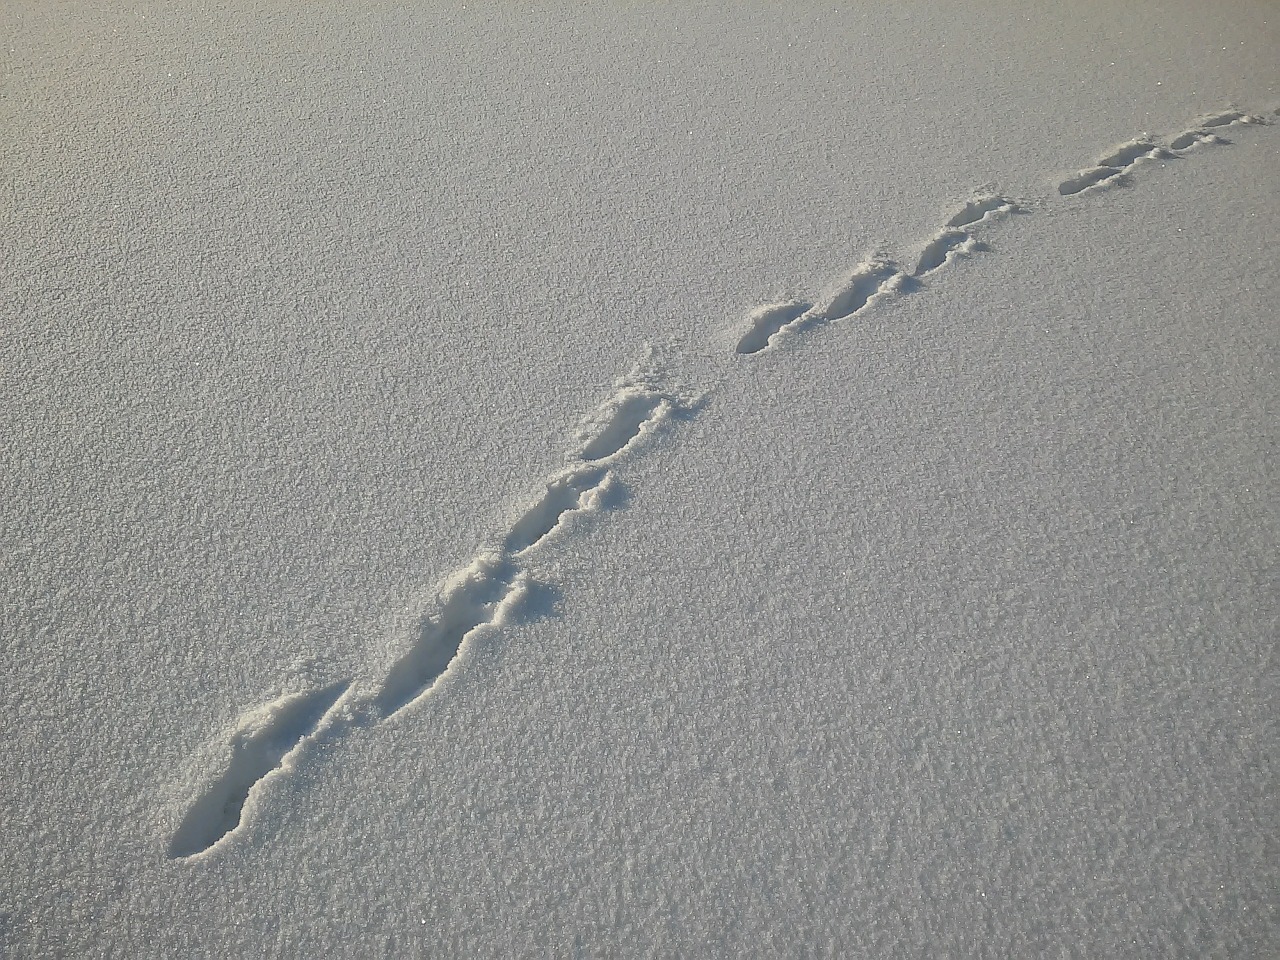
{"points": [[258, 747]]}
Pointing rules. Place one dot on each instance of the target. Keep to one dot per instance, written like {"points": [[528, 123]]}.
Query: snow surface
{"points": [[753, 480]]}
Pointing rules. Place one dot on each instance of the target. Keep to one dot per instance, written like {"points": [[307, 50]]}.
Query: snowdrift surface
{"points": [[629, 482]]}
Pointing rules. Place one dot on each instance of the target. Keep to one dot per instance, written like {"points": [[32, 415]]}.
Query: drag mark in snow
{"points": [[264, 741]]}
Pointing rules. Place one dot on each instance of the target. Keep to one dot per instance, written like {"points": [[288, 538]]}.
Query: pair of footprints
{"points": [[485, 592]]}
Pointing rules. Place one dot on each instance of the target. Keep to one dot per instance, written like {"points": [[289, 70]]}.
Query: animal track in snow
{"points": [[488, 590], [485, 593], [855, 292], [846, 299], [767, 320], [1199, 133], [1112, 168], [263, 741], [575, 490], [1228, 118], [480, 595], [873, 278], [984, 208], [768, 324], [1126, 155], [622, 420], [1113, 165], [1086, 179], [1191, 138], [948, 244]]}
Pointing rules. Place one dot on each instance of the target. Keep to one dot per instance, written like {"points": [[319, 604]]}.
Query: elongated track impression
{"points": [[770, 324], [766, 321], [262, 742], [1113, 165]]}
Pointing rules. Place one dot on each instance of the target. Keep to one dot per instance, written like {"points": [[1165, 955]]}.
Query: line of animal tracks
{"points": [[270, 741]]}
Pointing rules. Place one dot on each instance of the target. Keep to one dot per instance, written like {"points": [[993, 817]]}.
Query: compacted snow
{"points": [[754, 480]]}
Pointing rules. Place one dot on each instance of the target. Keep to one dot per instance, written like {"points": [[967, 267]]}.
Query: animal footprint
{"points": [[573, 491], [1112, 166], [479, 595], [263, 742], [627, 415], [765, 322], [984, 208], [948, 244], [867, 280], [1200, 132]]}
